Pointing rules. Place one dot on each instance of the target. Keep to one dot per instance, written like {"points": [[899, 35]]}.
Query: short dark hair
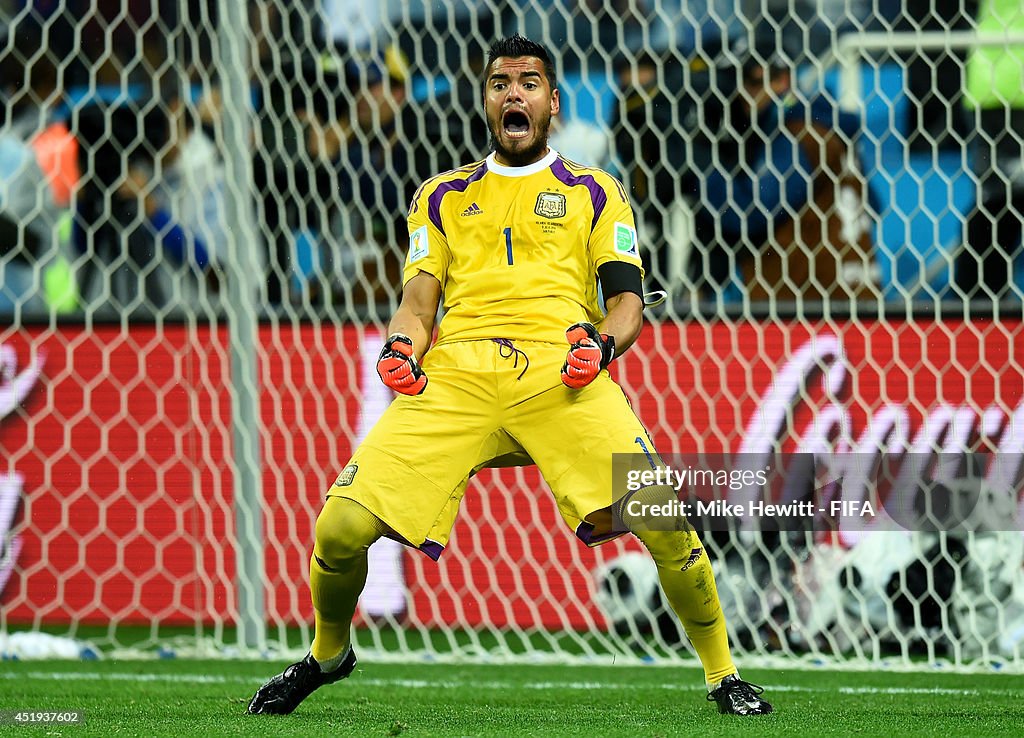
{"points": [[517, 45]]}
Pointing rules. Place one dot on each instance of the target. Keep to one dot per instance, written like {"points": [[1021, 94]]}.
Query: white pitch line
{"points": [[434, 684]]}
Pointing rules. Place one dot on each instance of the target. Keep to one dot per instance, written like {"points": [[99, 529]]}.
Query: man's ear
{"points": [[555, 102]]}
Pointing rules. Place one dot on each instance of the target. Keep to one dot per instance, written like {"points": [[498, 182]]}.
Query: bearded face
{"points": [[519, 104]]}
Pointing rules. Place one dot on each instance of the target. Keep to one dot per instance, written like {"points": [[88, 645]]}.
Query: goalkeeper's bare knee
{"points": [[344, 531]]}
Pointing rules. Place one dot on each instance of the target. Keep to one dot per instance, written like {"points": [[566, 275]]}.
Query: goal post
{"points": [[234, 42], [201, 240]]}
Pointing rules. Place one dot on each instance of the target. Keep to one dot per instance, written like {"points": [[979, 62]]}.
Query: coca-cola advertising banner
{"points": [[116, 494]]}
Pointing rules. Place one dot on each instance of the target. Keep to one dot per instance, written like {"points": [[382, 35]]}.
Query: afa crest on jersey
{"points": [[347, 475], [550, 205]]}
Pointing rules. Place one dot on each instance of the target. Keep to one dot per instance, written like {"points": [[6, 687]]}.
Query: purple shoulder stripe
{"points": [[455, 185], [597, 193]]}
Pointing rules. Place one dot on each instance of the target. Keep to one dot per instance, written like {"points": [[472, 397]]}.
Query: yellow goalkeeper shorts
{"points": [[490, 404]]}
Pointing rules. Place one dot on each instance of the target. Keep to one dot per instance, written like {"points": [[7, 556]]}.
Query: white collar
{"points": [[537, 166]]}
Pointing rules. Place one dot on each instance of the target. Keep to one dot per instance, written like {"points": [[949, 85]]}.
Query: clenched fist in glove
{"points": [[589, 353], [398, 368]]}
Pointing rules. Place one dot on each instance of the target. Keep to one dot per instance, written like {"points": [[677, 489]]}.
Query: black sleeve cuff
{"points": [[618, 277]]}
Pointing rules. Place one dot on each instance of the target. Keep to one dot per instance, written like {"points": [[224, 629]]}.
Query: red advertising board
{"points": [[119, 445]]}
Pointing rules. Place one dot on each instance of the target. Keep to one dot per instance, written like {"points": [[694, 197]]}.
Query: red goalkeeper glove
{"points": [[589, 353], [398, 368]]}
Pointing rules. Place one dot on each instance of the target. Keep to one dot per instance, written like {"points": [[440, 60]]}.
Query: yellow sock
{"points": [[337, 572], [689, 584], [335, 594], [694, 597]]}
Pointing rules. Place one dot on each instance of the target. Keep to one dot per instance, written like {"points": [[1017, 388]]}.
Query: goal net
{"points": [[201, 236]]}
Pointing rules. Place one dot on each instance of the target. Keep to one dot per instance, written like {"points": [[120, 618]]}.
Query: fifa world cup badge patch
{"points": [[625, 239], [419, 244], [347, 475]]}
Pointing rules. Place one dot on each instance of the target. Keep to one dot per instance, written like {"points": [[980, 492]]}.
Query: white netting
{"points": [[830, 192]]}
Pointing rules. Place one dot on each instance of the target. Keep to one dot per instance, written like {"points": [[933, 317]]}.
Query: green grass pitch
{"points": [[185, 698]]}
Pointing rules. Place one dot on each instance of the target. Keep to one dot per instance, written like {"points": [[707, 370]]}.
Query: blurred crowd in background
{"points": [[750, 181]]}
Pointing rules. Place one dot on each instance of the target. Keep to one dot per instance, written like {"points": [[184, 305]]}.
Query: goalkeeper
{"points": [[514, 245]]}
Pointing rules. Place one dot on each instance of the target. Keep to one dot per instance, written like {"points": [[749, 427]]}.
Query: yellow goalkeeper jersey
{"points": [[516, 249]]}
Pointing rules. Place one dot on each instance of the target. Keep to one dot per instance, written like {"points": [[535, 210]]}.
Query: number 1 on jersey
{"points": [[508, 244]]}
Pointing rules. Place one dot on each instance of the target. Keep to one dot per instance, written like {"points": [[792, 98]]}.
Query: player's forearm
{"points": [[415, 315], [419, 326], [624, 320]]}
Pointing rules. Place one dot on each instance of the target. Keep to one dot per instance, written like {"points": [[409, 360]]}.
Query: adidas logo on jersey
{"points": [[473, 209]]}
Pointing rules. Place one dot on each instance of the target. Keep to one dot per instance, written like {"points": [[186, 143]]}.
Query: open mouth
{"points": [[516, 124]]}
